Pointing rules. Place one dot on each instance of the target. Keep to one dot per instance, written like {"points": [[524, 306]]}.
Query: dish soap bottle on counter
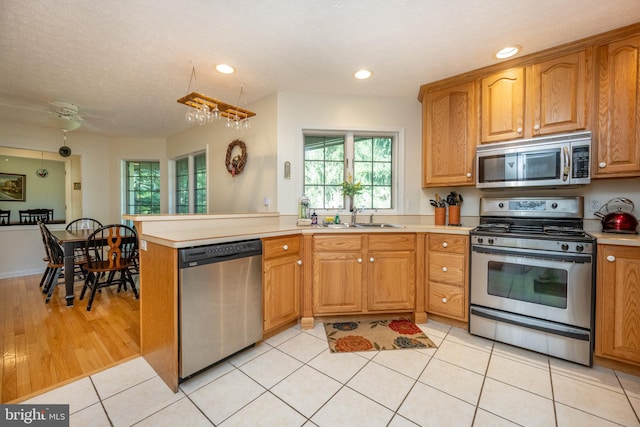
{"points": [[314, 218], [336, 220]]}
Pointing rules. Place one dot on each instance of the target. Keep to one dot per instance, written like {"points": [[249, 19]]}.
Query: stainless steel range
{"points": [[532, 276]]}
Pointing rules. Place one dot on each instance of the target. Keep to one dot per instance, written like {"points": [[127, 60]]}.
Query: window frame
{"points": [[397, 158], [191, 174], [126, 190]]}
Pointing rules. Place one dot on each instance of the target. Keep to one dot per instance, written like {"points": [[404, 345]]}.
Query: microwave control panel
{"points": [[580, 161]]}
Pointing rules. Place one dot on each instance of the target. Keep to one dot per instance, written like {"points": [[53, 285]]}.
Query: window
{"points": [[142, 187], [331, 159], [191, 184]]}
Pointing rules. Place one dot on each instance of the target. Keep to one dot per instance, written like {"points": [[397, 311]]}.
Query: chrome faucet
{"points": [[353, 215], [371, 218]]}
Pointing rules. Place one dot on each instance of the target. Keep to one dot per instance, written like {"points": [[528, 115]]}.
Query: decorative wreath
{"points": [[235, 165]]}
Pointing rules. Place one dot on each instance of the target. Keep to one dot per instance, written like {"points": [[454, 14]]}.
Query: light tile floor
{"points": [[292, 379]]}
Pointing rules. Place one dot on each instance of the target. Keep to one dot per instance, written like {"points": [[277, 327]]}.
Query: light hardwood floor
{"points": [[46, 345]]}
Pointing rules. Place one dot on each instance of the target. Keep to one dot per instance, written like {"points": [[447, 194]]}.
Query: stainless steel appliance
{"points": [[532, 276], [553, 161], [220, 302]]}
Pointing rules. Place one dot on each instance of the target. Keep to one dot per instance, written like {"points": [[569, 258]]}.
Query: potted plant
{"points": [[350, 189]]}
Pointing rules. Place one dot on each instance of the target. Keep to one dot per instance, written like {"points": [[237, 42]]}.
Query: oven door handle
{"points": [[532, 253], [530, 323]]}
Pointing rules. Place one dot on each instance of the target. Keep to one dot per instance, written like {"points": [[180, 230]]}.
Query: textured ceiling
{"points": [[125, 63]]}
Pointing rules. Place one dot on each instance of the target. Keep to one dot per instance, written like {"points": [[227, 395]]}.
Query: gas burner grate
{"points": [[563, 231], [495, 227]]}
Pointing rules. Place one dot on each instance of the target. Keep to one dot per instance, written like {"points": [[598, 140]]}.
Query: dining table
{"points": [[70, 241]]}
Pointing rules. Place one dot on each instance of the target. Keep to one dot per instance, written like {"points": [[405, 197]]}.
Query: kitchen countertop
{"points": [[181, 231]]}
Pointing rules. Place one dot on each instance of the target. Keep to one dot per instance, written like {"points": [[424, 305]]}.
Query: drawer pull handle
{"points": [[285, 247], [444, 300], [602, 165], [299, 262], [360, 260], [444, 269], [371, 259], [445, 244], [611, 258], [468, 175]]}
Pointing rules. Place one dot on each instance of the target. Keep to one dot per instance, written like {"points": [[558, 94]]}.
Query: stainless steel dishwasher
{"points": [[220, 299]]}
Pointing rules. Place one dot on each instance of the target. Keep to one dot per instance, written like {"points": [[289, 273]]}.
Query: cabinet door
{"points": [[337, 282], [618, 143], [449, 136], [618, 299], [391, 280], [502, 111], [281, 286], [556, 95]]}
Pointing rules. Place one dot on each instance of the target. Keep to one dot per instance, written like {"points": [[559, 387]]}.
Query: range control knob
{"points": [[564, 247], [579, 248], [490, 241], [480, 240], [501, 205], [554, 205]]}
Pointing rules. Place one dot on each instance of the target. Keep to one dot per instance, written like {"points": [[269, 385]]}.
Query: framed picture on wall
{"points": [[13, 187]]}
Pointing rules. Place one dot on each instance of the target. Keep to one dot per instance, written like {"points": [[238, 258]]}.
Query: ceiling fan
{"points": [[66, 116]]}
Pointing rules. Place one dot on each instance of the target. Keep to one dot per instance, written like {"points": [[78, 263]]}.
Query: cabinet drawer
{"points": [[447, 300], [449, 243], [343, 242], [447, 268], [280, 246], [392, 242]]}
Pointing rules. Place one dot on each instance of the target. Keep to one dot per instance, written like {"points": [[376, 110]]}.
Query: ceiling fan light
{"points": [[65, 123]]}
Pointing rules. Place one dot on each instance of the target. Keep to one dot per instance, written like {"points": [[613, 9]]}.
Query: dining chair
{"points": [[44, 231], [55, 263], [83, 224], [5, 217], [79, 225], [110, 250], [33, 216]]}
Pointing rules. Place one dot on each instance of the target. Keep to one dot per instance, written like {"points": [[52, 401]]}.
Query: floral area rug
{"points": [[375, 335]]}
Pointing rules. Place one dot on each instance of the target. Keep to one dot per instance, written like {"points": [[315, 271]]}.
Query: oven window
{"points": [[538, 285]]}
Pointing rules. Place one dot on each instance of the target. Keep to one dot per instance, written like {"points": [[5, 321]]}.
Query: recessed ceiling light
{"points": [[508, 51], [362, 74], [225, 69]]}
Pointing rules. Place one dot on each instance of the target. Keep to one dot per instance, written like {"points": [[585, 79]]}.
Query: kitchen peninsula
{"points": [[364, 254]]}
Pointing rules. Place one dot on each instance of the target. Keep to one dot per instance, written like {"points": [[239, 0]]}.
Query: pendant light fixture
{"points": [[42, 172], [64, 151]]}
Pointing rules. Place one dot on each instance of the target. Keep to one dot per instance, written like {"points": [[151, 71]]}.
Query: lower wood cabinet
{"points": [[618, 303], [360, 273], [282, 278], [448, 276]]}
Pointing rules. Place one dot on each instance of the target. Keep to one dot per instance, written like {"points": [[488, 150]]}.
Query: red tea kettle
{"points": [[616, 219]]}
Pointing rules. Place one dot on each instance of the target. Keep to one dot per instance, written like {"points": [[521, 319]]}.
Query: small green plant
{"points": [[349, 188]]}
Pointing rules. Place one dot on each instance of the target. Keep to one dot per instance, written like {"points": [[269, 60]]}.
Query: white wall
{"points": [[244, 192], [297, 112]]}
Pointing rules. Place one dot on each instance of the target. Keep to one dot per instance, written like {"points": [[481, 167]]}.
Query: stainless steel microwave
{"points": [[550, 161]]}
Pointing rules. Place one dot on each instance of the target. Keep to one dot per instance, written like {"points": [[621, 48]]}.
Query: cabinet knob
{"points": [[611, 258], [519, 131], [360, 260], [536, 127], [444, 269], [299, 262], [444, 300], [371, 259], [445, 244], [285, 247], [469, 175], [602, 165]]}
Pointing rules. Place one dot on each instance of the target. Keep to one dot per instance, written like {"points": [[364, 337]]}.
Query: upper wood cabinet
{"points": [[449, 136], [617, 152], [543, 98], [617, 302], [502, 113]]}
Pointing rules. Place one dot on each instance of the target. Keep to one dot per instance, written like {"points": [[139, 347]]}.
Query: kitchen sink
{"points": [[375, 225]]}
